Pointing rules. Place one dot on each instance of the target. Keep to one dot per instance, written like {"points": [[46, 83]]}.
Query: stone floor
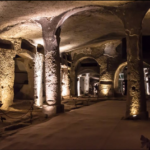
{"points": [[98, 126]]}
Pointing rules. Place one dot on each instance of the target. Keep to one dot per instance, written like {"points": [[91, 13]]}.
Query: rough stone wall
{"points": [[6, 77], [51, 77], [27, 91], [38, 76], [34, 67]]}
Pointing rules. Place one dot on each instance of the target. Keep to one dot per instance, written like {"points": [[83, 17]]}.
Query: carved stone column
{"points": [[132, 16], [6, 77], [38, 76], [136, 101], [52, 62]]}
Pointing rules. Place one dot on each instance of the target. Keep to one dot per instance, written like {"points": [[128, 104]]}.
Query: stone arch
{"points": [[116, 76], [82, 58], [73, 74], [59, 20], [119, 69], [87, 70]]}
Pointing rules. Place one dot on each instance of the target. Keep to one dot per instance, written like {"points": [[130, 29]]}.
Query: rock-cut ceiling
{"points": [[81, 29]]}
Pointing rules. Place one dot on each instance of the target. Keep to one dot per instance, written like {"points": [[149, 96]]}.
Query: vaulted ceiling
{"points": [[84, 28]]}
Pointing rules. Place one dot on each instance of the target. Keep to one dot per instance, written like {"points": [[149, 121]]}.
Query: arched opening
{"points": [[87, 77], [120, 79], [88, 26], [24, 75]]}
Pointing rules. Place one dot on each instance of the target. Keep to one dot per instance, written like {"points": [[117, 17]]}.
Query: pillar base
{"points": [[140, 116], [52, 110]]}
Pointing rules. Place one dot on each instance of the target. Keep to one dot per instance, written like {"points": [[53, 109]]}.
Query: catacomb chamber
{"points": [[77, 52]]}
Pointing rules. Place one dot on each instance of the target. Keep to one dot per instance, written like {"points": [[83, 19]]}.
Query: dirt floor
{"points": [[21, 114], [97, 126]]}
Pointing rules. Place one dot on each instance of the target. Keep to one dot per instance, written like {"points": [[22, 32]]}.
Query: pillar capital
{"points": [[50, 33]]}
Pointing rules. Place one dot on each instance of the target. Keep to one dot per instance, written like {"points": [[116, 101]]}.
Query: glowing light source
{"points": [[134, 109], [105, 89]]}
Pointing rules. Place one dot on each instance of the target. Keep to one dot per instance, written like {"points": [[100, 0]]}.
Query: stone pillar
{"points": [[65, 82], [29, 89], [52, 63], [86, 83], [132, 16], [136, 101], [7, 77], [38, 77]]}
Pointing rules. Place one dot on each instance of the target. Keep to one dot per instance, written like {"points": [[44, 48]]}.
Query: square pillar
{"points": [[38, 76], [7, 66], [136, 100]]}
